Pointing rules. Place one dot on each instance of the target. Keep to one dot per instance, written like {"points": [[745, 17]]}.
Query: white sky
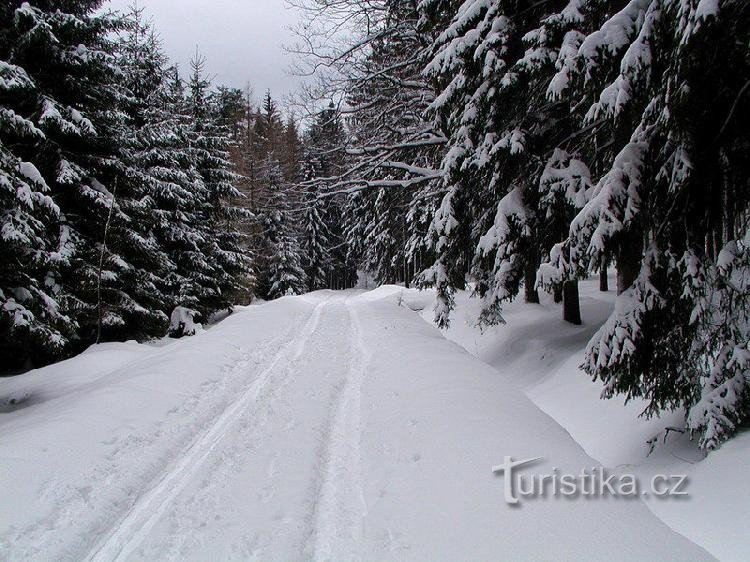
{"points": [[241, 39]]}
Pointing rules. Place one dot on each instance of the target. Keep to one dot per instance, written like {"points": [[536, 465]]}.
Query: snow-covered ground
{"points": [[540, 354], [334, 426]]}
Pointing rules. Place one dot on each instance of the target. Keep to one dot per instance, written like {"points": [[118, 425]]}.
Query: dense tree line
{"points": [[498, 146], [130, 190], [115, 179], [524, 146], [295, 233]]}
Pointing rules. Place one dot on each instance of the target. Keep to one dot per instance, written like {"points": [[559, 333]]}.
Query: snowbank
{"points": [[540, 354], [462, 419]]}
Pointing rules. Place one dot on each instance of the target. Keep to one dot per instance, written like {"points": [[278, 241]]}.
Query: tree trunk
{"points": [[603, 280], [628, 263], [529, 278], [571, 306], [728, 206], [557, 294]]}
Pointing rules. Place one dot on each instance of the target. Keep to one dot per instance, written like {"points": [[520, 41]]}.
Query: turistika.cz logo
{"points": [[589, 482]]}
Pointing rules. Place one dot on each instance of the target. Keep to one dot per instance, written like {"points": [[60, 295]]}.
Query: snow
{"points": [[614, 204], [332, 426], [73, 376], [541, 355], [707, 8], [634, 69], [565, 64], [182, 322], [616, 32], [13, 77], [77, 125], [20, 314], [30, 172]]}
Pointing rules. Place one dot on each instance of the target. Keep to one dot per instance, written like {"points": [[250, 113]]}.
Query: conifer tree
{"points": [[315, 233], [491, 65], [315, 244], [31, 319], [285, 273], [166, 164], [662, 80], [230, 273], [72, 98], [325, 162]]}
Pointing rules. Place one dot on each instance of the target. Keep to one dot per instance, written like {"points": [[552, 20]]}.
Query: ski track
{"points": [[275, 469], [126, 536], [339, 507], [70, 504]]}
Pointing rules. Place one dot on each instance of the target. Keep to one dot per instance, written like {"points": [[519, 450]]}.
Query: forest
{"points": [[504, 147]]}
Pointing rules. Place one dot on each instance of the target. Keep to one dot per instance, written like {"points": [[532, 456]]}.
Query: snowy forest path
{"points": [[291, 439], [340, 507], [326, 427], [149, 508]]}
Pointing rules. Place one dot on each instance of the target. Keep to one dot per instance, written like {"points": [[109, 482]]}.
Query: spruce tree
{"points": [[31, 320], [230, 272], [167, 165], [661, 80], [491, 66], [315, 233], [325, 162], [285, 273], [107, 284]]}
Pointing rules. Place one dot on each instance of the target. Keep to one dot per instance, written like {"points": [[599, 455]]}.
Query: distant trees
{"points": [[267, 149], [282, 234], [324, 161], [386, 184]]}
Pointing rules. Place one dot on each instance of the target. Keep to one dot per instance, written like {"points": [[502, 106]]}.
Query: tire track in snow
{"points": [[340, 507], [149, 508]]}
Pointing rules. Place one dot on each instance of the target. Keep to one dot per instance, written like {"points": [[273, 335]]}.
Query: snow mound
{"points": [[182, 322], [541, 354]]}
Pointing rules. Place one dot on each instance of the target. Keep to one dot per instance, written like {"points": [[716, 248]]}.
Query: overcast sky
{"points": [[241, 39]]}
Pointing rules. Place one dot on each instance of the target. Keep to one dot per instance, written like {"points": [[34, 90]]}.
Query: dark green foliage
{"points": [[112, 212]]}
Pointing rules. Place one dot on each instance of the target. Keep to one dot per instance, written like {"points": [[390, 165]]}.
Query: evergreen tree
{"points": [[68, 119], [315, 244], [291, 151], [30, 316], [664, 77], [167, 166], [285, 273], [230, 111], [491, 65], [230, 274], [315, 233], [269, 128], [325, 162]]}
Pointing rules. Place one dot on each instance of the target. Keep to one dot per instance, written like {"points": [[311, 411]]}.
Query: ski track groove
{"points": [[340, 507], [131, 531]]}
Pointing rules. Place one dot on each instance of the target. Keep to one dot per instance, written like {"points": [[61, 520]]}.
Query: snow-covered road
{"points": [[335, 426]]}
